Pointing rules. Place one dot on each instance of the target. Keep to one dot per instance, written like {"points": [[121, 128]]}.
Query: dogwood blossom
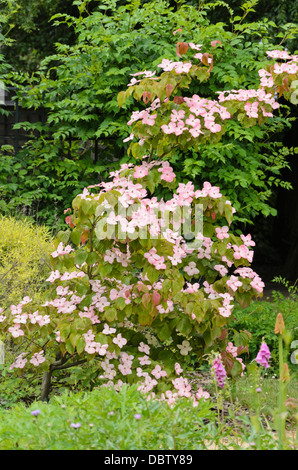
{"points": [[185, 348]]}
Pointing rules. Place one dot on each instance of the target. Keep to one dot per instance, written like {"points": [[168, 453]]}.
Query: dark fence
{"points": [[13, 113]]}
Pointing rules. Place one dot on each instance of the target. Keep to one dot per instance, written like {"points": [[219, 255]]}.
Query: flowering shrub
{"points": [[173, 120], [135, 293], [140, 283]]}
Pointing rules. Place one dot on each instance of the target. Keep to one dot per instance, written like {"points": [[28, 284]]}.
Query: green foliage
{"points": [[24, 391], [28, 34], [115, 421], [106, 421], [83, 133], [259, 319], [24, 253]]}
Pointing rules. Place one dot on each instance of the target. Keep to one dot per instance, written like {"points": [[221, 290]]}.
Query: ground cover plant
{"points": [[106, 419]]}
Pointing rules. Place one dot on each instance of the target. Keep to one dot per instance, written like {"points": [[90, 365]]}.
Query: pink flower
{"points": [[144, 348], [177, 116], [62, 251], [277, 54], [178, 368], [195, 46], [221, 269], [222, 232], [20, 362], [53, 276], [144, 360], [247, 240], [158, 372], [119, 341], [16, 331], [257, 284], [101, 349], [140, 172], [159, 264], [131, 136], [191, 269], [263, 356], [20, 318], [219, 372], [107, 330], [184, 388], [240, 251], [232, 349], [201, 394], [148, 119], [37, 358], [167, 174], [43, 320], [124, 369], [234, 283]]}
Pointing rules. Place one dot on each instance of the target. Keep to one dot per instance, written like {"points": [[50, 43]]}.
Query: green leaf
{"points": [[121, 98], [63, 236], [64, 330], [81, 257], [80, 345], [92, 258], [152, 274], [74, 338], [75, 237], [184, 326], [69, 347], [164, 332], [110, 314]]}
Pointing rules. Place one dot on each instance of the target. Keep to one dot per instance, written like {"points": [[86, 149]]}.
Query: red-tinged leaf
{"points": [[182, 48], [207, 60], [84, 236], [228, 361], [69, 221], [223, 334], [178, 99], [169, 89], [127, 293], [156, 298], [146, 300], [286, 84], [146, 96], [242, 349], [213, 43]]}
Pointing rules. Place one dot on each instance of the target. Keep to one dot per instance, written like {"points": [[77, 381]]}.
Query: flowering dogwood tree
{"points": [[140, 283]]}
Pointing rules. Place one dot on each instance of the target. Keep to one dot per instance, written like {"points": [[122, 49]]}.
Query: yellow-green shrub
{"points": [[24, 250]]}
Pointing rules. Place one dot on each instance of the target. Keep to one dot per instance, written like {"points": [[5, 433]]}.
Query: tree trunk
{"points": [[45, 385]]}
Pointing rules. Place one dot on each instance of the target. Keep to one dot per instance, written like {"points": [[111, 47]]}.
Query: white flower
{"points": [[184, 347]]}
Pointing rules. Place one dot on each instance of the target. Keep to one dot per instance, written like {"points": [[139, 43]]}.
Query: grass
{"points": [[104, 419], [243, 393]]}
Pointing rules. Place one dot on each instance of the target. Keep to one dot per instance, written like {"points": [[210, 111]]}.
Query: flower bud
{"points": [[279, 324]]}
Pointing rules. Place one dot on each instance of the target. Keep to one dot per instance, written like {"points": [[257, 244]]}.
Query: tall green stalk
{"points": [[284, 378]]}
